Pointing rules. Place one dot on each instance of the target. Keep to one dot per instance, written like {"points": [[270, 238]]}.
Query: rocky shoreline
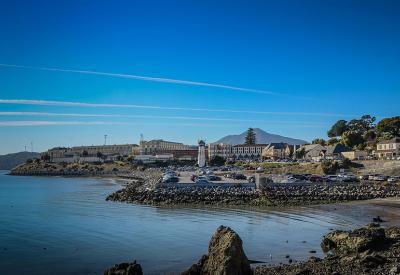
{"points": [[367, 250], [277, 195]]}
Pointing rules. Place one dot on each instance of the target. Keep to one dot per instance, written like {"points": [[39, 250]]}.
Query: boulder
{"points": [[225, 256], [371, 237], [125, 269]]}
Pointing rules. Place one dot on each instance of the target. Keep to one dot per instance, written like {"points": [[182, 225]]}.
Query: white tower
{"points": [[201, 158]]}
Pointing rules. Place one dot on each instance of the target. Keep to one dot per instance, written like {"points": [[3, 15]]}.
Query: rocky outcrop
{"points": [[366, 238], [225, 256], [125, 269], [367, 250]]}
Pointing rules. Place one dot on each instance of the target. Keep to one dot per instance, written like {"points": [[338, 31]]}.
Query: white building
{"points": [[388, 149], [240, 151]]}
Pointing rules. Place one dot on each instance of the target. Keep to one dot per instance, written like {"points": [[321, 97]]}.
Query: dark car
{"points": [[239, 177], [315, 178], [193, 178], [213, 178], [171, 180]]}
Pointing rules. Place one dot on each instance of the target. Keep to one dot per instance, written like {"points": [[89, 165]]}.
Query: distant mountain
{"points": [[262, 137], [9, 161]]}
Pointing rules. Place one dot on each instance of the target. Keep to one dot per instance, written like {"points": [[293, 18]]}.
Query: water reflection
{"points": [[64, 226]]}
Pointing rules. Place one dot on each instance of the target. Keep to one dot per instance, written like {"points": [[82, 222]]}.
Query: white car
{"points": [[393, 179]]}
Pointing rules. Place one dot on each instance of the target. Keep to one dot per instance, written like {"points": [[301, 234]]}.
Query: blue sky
{"points": [[310, 62]]}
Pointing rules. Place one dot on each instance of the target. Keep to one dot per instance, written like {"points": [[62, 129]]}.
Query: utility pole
{"points": [[105, 139]]}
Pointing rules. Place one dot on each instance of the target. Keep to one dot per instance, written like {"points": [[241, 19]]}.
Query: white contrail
{"points": [[49, 123], [56, 114], [81, 104], [146, 78], [24, 123], [157, 117]]}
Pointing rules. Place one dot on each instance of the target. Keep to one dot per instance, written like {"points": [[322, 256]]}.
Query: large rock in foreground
{"points": [[125, 269], [225, 256]]}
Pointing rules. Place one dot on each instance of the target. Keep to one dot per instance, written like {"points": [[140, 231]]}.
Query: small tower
{"points": [[201, 158]]}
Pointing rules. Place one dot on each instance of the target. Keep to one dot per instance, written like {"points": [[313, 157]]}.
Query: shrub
{"points": [[329, 167]]}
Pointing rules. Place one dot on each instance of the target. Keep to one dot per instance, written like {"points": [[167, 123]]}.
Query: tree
{"points": [[250, 137], [300, 153], [100, 155], [338, 129], [85, 153], [362, 125], [217, 161], [332, 141], [370, 136], [390, 126], [320, 141], [329, 167], [352, 139]]}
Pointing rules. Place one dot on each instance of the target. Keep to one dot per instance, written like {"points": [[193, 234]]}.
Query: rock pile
{"points": [[125, 269], [275, 195], [367, 250], [218, 195], [225, 256]]}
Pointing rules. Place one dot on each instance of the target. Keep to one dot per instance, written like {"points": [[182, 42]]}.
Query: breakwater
{"points": [[274, 195]]}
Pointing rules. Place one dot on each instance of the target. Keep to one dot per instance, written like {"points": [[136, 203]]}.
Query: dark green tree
{"points": [[217, 161], [320, 141], [389, 126], [332, 141], [362, 125], [338, 129], [352, 139], [250, 137], [300, 153]]}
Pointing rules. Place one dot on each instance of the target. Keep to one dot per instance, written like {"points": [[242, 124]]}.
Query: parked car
{"points": [[316, 178], [363, 177], [372, 177], [239, 177], [348, 177], [381, 178], [213, 178], [393, 179], [193, 177], [170, 179], [333, 178], [202, 181]]}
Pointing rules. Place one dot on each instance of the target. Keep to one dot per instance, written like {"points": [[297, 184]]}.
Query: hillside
{"points": [[9, 161], [262, 137]]}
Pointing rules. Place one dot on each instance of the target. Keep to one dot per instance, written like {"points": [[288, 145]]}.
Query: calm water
{"points": [[65, 226]]}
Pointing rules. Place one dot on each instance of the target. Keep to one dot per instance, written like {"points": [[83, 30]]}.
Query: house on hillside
{"points": [[388, 149], [277, 151], [314, 152], [335, 151], [355, 155]]}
